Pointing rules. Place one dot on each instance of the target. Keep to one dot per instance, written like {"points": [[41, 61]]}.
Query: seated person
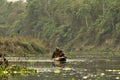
{"points": [[3, 60], [61, 54], [58, 54], [1, 54]]}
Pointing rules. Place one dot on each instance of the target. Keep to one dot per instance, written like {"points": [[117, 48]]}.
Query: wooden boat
{"points": [[61, 59], [58, 55]]}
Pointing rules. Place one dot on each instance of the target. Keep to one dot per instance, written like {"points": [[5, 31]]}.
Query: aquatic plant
{"points": [[14, 69]]}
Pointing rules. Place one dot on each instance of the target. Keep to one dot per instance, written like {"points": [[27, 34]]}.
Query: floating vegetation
{"points": [[102, 74], [63, 69], [85, 77], [109, 70], [118, 72], [73, 78], [117, 78], [57, 71], [67, 68], [14, 69], [113, 71]]}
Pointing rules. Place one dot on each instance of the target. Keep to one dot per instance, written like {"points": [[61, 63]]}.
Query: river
{"points": [[82, 68]]}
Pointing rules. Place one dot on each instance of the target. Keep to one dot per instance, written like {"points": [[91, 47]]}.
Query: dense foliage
{"points": [[74, 25]]}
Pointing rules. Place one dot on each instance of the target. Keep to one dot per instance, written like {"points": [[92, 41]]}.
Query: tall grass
{"points": [[15, 46]]}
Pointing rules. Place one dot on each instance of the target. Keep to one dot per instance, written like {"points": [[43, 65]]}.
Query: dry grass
{"points": [[21, 46]]}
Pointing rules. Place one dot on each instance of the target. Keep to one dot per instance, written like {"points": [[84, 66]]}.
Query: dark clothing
{"points": [[3, 61], [57, 53], [1, 54], [6, 62]]}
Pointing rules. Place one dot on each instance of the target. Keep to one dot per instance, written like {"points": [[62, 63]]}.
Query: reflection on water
{"points": [[59, 63], [97, 68]]}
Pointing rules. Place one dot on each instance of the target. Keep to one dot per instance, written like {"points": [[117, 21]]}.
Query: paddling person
{"points": [[61, 54], [58, 55], [3, 60]]}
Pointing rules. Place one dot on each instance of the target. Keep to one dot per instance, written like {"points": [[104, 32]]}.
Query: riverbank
{"points": [[19, 46]]}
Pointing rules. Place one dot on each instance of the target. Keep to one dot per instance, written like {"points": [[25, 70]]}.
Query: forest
{"points": [[73, 25]]}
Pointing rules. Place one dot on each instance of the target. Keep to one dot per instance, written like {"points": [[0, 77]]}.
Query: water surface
{"points": [[83, 68]]}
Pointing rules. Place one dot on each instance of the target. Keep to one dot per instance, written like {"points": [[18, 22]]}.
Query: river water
{"points": [[82, 68]]}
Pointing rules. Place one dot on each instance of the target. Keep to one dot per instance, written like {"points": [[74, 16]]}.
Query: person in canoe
{"points": [[3, 60], [58, 55]]}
